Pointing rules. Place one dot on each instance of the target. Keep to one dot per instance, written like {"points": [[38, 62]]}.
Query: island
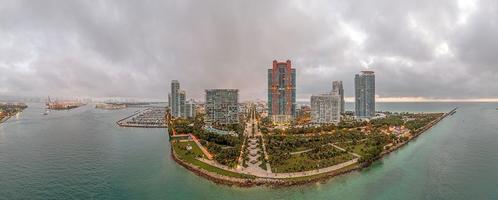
{"points": [[261, 153], [8, 110], [63, 105], [110, 106]]}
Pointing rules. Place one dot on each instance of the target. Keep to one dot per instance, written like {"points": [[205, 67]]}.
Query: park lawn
{"points": [[301, 162], [302, 148], [357, 148], [181, 151], [196, 152]]}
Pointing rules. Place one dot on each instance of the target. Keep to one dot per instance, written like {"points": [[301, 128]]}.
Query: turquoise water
{"points": [[82, 154]]}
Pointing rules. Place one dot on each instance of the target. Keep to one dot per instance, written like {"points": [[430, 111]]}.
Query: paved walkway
{"points": [[300, 152], [264, 174], [335, 146], [203, 149]]}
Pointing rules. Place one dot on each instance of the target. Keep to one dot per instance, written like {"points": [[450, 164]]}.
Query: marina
{"points": [[148, 118]]}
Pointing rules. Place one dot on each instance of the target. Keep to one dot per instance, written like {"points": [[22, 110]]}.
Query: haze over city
{"points": [[420, 50]]}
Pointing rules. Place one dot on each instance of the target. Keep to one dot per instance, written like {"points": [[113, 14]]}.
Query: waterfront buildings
{"points": [[177, 102], [337, 89], [222, 106], [174, 99], [182, 97], [190, 109], [365, 94], [326, 108], [282, 92]]}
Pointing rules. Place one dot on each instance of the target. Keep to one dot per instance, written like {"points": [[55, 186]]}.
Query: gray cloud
{"points": [[432, 49]]}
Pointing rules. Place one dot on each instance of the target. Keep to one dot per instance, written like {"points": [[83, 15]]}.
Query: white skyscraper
{"points": [[325, 108], [177, 100]]}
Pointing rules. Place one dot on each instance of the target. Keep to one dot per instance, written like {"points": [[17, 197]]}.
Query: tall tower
{"points": [[175, 98], [282, 92], [365, 94], [337, 89], [181, 101]]}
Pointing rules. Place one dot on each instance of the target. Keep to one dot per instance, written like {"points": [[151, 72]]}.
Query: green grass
{"points": [[301, 162], [360, 148], [190, 157]]}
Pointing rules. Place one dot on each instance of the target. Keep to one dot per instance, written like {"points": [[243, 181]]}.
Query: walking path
{"points": [[300, 152], [264, 174], [193, 138], [335, 146]]}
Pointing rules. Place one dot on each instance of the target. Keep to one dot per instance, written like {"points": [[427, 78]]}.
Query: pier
{"points": [[148, 118]]}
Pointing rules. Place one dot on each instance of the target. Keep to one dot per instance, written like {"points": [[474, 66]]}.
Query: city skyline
{"points": [[127, 50]]}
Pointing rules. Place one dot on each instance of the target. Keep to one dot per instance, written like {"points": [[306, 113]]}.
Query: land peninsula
{"points": [[260, 153], [8, 110]]}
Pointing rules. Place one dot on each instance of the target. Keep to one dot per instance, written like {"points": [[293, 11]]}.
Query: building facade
{"points": [[176, 100], [190, 111], [182, 101], [222, 106], [326, 109], [337, 89], [282, 92], [365, 94]]}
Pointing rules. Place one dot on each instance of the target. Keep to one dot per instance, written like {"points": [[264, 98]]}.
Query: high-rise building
{"points": [[282, 92], [222, 106], [326, 108], [337, 89], [169, 102], [181, 101], [190, 109], [176, 100], [365, 94]]}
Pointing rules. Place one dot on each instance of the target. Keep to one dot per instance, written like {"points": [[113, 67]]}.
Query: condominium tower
{"points": [[326, 108], [365, 94], [182, 98], [337, 89], [174, 99], [177, 101], [282, 92], [190, 109], [222, 106]]}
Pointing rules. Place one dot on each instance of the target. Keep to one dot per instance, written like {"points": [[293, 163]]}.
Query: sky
{"points": [[425, 49]]}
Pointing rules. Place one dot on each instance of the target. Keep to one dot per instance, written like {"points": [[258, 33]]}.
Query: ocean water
{"points": [[83, 154]]}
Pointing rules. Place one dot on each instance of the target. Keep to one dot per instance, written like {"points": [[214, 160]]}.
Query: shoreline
{"points": [[258, 181], [284, 182], [5, 119]]}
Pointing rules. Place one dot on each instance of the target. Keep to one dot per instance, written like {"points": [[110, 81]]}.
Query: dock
{"points": [[148, 118]]}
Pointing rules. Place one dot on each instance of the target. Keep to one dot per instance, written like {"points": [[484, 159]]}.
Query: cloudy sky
{"points": [[443, 49]]}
